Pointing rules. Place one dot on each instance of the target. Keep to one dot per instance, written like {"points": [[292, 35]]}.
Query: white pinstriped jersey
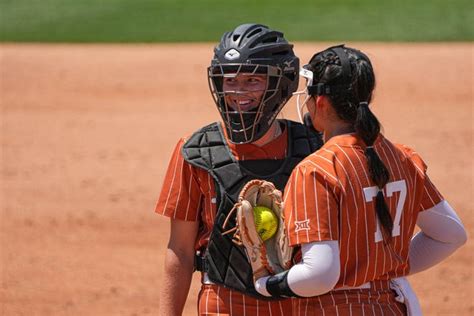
{"points": [[378, 300], [330, 196], [217, 300]]}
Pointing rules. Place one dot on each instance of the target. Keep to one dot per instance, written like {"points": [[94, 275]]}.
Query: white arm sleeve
{"points": [[319, 270], [442, 233], [317, 274]]}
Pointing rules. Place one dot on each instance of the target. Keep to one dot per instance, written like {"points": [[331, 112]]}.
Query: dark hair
{"points": [[349, 80]]}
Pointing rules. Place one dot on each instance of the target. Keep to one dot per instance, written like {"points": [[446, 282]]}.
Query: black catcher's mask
{"points": [[253, 49]]}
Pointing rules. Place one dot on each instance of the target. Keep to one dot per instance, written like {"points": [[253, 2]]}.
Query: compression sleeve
{"points": [[442, 233], [316, 274]]}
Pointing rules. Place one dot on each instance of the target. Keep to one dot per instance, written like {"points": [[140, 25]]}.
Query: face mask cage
{"points": [[246, 125], [308, 74]]}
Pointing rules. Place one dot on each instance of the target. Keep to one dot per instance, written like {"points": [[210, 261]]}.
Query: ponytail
{"points": [[368, 127], [347, 77]]}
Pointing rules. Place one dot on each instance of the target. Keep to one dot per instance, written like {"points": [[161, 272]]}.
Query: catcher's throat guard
{"points": [[246, 125]]}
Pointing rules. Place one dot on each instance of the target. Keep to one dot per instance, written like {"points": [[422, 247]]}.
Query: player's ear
{"points": [[320, 101], [324, 106]]}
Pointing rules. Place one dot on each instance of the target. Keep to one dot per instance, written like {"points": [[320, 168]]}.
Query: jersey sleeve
{"points": [[311, 205], [431, 196], [180, 195]]}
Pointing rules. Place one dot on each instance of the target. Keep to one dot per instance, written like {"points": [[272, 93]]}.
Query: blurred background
{"points": [[139, 21], [95, 94]]}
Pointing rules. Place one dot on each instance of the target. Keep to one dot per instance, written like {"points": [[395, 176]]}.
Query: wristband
{"points": [[277, 286]]}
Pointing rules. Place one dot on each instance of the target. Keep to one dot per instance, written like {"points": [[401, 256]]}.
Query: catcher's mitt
{"points": [[266, 257]]}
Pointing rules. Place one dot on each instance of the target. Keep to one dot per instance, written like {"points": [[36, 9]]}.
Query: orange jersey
{"points": [[188, 192], [330, 196]]}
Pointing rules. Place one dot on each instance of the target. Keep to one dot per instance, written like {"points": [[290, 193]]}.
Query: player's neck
{"points": [[337, 129], [270, 135]]}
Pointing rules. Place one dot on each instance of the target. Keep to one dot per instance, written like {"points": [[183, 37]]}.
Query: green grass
{"points": [[206, 20]]}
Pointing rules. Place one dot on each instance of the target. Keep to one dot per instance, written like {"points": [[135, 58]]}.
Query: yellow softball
{"points": [[266, 222]]}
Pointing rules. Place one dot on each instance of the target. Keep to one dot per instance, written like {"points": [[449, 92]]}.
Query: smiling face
{"points": [[244, 91], [248, 97]]}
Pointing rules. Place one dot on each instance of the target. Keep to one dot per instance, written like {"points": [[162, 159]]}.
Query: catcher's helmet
{"points": [[253, 49]]}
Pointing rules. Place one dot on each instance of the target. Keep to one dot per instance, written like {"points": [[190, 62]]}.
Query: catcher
{"points": [[252, 75]]}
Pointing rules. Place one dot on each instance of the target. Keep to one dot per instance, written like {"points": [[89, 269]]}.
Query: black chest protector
{"points": [[225, 262]]}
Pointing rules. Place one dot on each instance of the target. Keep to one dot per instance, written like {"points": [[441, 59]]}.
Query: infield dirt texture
{"points": [[86, 134]]}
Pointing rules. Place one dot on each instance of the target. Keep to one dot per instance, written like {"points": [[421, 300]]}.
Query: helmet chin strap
{"points": [[299, 106]]}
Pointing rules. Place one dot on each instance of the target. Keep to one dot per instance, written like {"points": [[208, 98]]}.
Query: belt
{"points": [[362, 286], [205, 279], [376, 285], [200, 262]]}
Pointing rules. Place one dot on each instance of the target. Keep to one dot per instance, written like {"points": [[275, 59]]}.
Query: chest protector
{"points": [[225, 262]]}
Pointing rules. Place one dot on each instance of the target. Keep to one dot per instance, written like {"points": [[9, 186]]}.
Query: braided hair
{"points": [[345, 75]]}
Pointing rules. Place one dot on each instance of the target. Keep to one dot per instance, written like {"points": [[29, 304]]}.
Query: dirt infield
{"points": [[86, 133]]}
